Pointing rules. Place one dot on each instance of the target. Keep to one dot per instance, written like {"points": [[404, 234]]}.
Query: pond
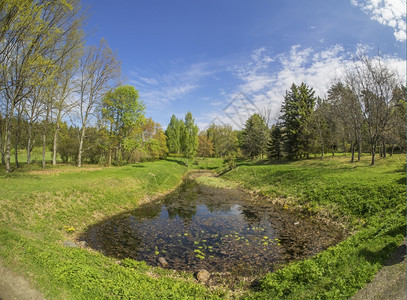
{"points": [[220, 230]]}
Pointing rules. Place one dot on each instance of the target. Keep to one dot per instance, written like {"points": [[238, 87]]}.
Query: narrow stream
{"points": [[220, 230]]}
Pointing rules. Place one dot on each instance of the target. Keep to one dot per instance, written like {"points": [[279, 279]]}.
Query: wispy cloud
{"points": [[387, 12], [158, 90], [265, 81]]}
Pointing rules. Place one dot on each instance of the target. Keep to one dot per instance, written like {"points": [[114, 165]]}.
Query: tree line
{"points": [[58, 93], [363, 112], [62, 95]]}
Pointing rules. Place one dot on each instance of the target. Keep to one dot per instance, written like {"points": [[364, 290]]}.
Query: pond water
{"points": [[220, 230]]}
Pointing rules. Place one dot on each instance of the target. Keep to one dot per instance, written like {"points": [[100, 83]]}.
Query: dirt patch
{"points": [[16, 287], [390, 282]]}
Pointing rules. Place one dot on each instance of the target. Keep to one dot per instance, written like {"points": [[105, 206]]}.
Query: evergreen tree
{"points": [[255, 136], [296, 111], [275, 144]]}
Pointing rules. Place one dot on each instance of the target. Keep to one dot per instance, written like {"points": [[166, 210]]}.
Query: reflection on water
{"points": [[220, 230]]}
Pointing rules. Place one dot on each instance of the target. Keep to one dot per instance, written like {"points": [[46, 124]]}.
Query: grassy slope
{"points": [[36, 207], [370, 199]]}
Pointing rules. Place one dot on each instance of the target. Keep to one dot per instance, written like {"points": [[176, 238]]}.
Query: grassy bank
{"points": [[39, 210], [369, 201]]}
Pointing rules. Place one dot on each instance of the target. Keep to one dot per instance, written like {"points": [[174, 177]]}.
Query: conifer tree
{"points": [[255, 136], [275, 143], [296, 111]]}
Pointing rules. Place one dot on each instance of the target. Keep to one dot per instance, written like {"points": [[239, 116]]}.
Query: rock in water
{"points": [[203, 275], [163, 262]]}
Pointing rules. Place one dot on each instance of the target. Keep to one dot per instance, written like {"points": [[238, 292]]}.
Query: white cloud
{"points": [[158, 90], [387, 12], [264, 87], [264, 84]]}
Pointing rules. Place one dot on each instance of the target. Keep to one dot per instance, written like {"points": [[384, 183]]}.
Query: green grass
{"points": [[216, 182], [368, 200], [39, 209], [36, 156]]}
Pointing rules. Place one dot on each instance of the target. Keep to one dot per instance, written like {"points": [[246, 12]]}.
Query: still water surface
{"points": [[221, 230]]}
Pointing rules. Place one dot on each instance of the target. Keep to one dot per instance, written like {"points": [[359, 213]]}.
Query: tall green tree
{"points": [[224, 139], [190, 137], [174, 134], [275, 143], [255, 136], [296, 113], [121, 108], [205, 148]]}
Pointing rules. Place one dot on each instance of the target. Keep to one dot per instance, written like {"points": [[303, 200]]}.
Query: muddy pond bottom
{"points": [[220, 230]]}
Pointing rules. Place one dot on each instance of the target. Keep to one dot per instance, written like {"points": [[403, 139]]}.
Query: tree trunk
{"points": [[29, 133], [44, 145], [16, 150], [344, 147], [322, 151], [384, 150], [81, 137], [8, 137], [3, 158], [392, 150], [17, 138], [109, 158], [55, 145], [44, 136], [8, 146], [373, 150], [359, 149], [353, 152]]}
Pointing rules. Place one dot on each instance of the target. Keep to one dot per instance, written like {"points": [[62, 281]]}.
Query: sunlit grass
{"points": [[39, 209], [368, 200]]}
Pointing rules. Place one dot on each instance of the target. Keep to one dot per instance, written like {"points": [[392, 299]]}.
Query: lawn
{"points": [[369, 201], [40, 209]]}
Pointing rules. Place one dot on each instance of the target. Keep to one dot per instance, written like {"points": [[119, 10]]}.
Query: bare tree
{"points": [[373, 82], [349, 113], [98, 72], [266, 113]]}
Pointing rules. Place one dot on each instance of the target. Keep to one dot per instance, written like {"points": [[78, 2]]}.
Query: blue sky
{"points": [[224, 60]]}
